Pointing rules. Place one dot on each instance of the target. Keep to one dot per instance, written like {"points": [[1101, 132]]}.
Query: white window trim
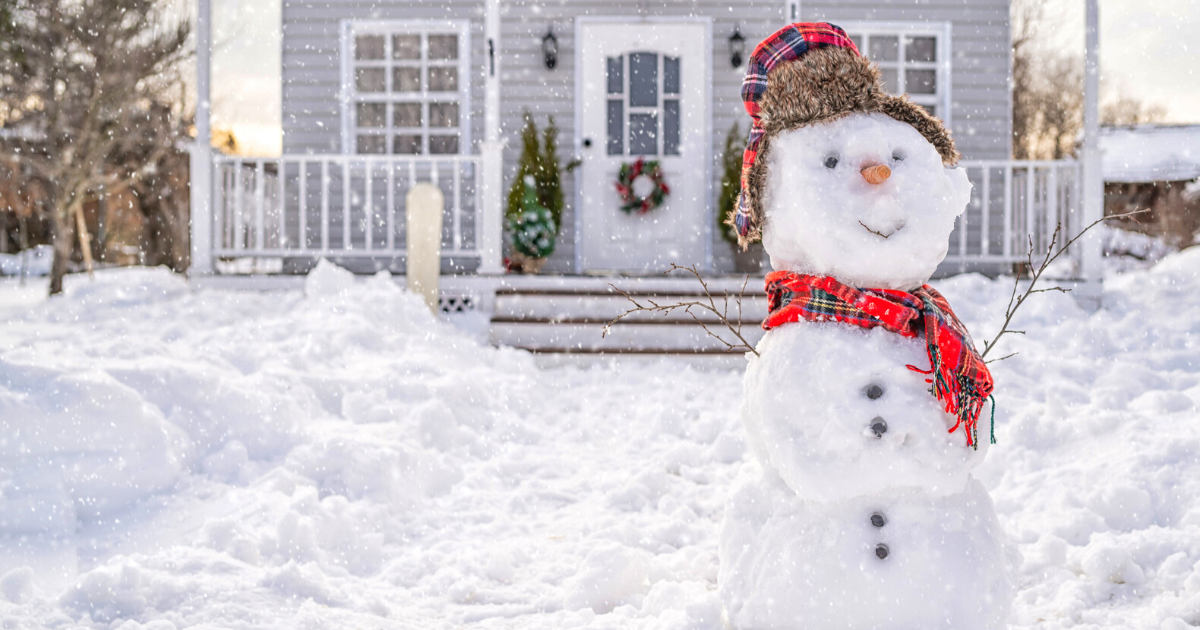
{"points": [[943, 65], [350, 28]]}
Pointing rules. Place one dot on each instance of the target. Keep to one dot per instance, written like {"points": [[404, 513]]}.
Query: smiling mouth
{"points": [[881, 234]]}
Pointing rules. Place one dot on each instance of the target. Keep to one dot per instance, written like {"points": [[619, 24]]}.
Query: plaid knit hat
{"points": [[808, 73]]}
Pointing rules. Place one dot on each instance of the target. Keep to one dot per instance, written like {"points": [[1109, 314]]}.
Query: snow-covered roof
{"points": [[1151, 153]]}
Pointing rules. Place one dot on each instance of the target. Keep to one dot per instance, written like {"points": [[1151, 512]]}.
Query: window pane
{"points": [[443, 79], [372, 144], [616, 76], [643, 80], [670, 127], [443, 145], [884, 48], [443, 114], [406, 47], [921, 81], [371, 114], [643, 134], [370, 79], [443, 47], [616, 121], [406, 79], [368, 47], [670, 75], [921, 49], [932, 109], [407, 144], [891, 80], [406, 115]]}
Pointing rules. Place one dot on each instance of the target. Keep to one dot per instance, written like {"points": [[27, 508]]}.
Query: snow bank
{"points": [[336, 457], [35, 261]]}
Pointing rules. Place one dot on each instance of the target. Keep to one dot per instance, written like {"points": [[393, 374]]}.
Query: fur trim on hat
{"points": [[823, 85]]}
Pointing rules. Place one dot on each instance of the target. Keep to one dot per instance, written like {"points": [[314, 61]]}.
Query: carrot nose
{"points": [[877, 174]]}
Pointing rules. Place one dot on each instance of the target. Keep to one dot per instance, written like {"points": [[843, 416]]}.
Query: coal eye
{"points": [[898, 156], [831, 162]]}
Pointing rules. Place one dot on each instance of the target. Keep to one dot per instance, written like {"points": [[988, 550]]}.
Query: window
{"points": [[643, 104], [914, 59], [405, 87]]}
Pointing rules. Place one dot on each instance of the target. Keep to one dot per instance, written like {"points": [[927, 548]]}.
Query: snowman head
{"points": [[864, 199], [840, 178]]}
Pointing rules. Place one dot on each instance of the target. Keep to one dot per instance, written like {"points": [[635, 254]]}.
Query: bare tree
{"points": [[1047, 113], [89, 76]]}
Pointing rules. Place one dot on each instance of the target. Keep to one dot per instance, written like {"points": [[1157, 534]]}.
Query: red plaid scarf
{"points": [[958, 375]]}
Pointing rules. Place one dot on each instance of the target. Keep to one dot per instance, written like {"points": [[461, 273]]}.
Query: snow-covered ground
{"points": [[336, 458]]}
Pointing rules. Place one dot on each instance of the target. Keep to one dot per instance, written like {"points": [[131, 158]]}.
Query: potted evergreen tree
{"points": [[749, 261], [539, 160]]}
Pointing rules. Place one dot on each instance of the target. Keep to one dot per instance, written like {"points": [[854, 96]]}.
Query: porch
{"points": [[282, 214], [273, 219]]}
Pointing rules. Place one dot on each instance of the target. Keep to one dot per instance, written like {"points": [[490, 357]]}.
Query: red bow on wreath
{"points": [[630, 202]]}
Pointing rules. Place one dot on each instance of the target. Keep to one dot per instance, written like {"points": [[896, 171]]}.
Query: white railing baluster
{"points": [[325, 205], [238, 208], [1030, 209], [368, 206], [1052, 218], [259, 185], [391, 206], [346, 204], [302, 197], [281, 231], [1008, 202], [456, 209], [985, 245]]}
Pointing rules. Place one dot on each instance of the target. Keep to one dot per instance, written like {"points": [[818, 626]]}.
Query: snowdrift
{"points": [[339, 458]]}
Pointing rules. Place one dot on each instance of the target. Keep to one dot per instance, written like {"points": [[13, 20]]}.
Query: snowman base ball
{"points": [[864, 404], [931, 563]]}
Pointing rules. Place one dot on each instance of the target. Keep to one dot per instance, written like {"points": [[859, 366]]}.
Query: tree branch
{"points": [[722, 313]]}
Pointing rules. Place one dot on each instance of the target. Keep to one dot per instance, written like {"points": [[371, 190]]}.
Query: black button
{"points": [[879, 427], [874, 391], [881, 551], [878, 520]]}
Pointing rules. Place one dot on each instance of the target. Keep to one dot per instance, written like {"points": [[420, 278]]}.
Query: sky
{"points": [[1150, 48]]}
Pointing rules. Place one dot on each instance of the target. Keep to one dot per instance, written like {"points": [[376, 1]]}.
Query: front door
{"points": [[644, 94]]}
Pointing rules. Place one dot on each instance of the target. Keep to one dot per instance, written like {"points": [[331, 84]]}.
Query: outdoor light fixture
{"points": [[737, 47], [550, 49]]}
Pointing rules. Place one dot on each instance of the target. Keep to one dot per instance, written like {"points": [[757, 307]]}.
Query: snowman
{"points": [[866, 404]]}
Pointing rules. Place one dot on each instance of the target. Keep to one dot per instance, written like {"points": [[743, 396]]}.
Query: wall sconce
{"points": [[737, 48], [550, 49]]}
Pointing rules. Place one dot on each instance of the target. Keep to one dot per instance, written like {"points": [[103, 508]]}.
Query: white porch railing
{"points": [[1012, 203], [338, 205], [348, 206]]}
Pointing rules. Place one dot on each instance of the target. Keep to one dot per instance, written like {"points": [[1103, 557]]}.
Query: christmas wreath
{"points": [[630, 201]]}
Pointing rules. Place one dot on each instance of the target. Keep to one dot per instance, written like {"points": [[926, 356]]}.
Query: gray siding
{"points": [[312, 121]]}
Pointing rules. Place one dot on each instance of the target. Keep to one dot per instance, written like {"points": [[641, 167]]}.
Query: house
{"points": [[1155, 168], [378, 96]]}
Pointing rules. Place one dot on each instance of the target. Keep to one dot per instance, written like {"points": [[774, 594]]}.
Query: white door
{"points": [[644, 93]]}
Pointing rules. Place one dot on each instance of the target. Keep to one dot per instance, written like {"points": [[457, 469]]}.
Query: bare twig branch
{"points": [[1015, 301], [709, 304]]}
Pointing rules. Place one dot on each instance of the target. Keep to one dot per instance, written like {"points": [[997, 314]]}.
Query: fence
{"points": [[1016, 204], [337, 205]]}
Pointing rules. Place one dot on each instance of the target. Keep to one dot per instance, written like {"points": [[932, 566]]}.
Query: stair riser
{"points": [[636, 337], [605, 308]]}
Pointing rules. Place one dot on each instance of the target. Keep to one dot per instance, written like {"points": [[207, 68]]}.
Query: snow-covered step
{"points": [[545, 306]]}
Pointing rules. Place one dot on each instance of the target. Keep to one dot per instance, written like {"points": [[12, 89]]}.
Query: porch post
{"points": [[200, 204], [492, 151], [1093, 178]]}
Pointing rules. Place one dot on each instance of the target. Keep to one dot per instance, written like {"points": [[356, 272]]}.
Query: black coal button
{"points": [[874, 391], [879, 427], [878, 520], [881, 551]]}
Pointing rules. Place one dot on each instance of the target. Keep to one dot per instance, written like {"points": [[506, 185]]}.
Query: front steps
{"points": [[564, 321]]}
